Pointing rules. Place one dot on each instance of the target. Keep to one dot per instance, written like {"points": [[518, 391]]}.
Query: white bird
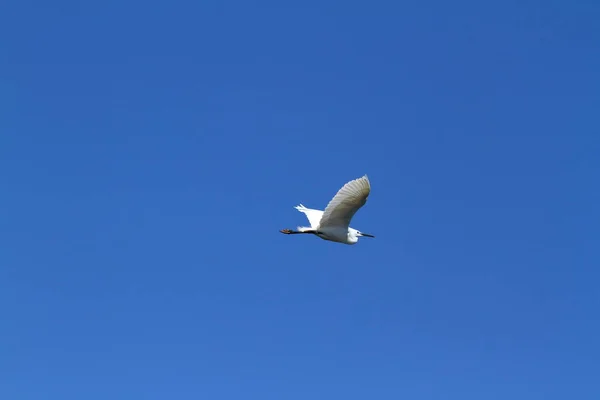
{"points": [[333, 224]]}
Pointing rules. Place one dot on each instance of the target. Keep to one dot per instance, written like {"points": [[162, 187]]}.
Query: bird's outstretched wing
{"points": [[348, 200], [313, 216]]}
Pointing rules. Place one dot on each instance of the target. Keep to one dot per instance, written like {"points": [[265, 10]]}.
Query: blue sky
{"points": [[151, 151]]}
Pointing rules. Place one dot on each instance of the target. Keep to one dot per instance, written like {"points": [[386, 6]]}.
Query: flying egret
{"points": [[333, 223]]}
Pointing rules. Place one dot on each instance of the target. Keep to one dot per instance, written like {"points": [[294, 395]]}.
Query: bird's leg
{"points": [[291, 232]]}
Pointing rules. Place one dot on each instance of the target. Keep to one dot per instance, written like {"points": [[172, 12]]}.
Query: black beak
{"points": [[367, 235]]}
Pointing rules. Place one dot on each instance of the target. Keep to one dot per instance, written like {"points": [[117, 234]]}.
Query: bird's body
{"points": [[333, 223], [332, 233]]}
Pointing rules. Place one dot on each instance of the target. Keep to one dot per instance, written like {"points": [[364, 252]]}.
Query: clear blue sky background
{"points": [[151, 151]]}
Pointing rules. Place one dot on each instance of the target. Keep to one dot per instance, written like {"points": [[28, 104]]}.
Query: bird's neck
{"points": [[352, 238]]}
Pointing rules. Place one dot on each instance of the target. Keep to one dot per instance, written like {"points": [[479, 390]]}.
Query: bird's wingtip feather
{"points": [[366, 178]]}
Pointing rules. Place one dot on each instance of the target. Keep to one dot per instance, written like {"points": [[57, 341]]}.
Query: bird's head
{"points": [[354, 234]]}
